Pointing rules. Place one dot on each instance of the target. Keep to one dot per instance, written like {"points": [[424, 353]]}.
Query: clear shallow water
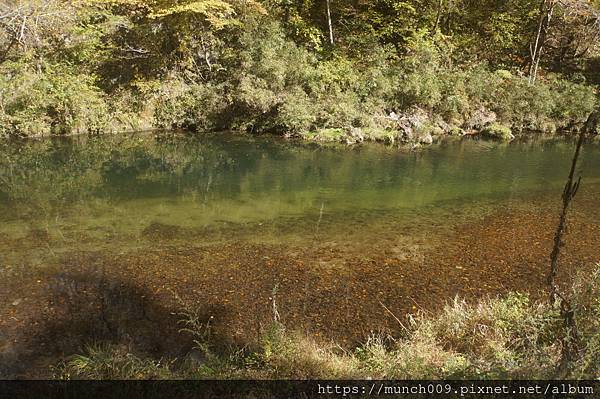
{"points": [[97, 232], [105, 192]]}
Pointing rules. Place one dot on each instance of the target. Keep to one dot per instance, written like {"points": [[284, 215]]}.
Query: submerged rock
{"points": [[39, 235]]}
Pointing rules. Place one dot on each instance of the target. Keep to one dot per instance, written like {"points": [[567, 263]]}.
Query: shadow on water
{"points": [[83, 308]]}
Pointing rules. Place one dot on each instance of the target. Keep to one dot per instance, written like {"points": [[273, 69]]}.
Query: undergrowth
{"points": [[499, 338]]}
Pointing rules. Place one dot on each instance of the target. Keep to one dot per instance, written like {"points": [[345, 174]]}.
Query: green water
{"points": [[102, 193]]}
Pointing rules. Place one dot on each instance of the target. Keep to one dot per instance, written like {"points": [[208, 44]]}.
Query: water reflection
{"points": [[120, 185]]}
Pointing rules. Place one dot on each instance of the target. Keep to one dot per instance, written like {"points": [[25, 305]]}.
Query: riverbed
{"points": [[111, 238]]}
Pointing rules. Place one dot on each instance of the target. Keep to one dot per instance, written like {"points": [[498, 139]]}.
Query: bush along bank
{"points": [[415, 99], [111, 66], [337, 106]]}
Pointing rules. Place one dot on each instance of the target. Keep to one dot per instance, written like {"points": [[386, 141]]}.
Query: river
{"points": [[108, 238]]}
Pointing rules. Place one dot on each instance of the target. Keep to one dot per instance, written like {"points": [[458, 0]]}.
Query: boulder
{"points": [[417, 117], [355, 135], [161, 231], [411, 122], [426, 138], [444, 127], [405, 131], [480, 118]]}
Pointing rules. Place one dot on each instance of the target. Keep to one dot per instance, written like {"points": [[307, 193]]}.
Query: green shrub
{"points": [[264, 82], [426, 79], [269, 75], [541, 107], [497, 131], [297, 113], [53, 100], [198, 107], [573, 102]]}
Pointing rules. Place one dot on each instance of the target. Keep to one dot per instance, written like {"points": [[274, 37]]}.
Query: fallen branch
{"points": [[394, 316]]}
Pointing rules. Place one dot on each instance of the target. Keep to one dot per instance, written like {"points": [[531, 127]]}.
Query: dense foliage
{"points": [[382, 70]]}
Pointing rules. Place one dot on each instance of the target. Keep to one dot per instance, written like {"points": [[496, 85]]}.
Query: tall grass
{"points": [[506, 337]]}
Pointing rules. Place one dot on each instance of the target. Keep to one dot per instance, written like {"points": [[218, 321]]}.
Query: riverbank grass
{"points": [[496, 338]]}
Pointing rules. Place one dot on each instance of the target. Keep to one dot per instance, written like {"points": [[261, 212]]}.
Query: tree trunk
{"points": [[448, 18], [546, 11], [329, 23], [438, 17]]}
